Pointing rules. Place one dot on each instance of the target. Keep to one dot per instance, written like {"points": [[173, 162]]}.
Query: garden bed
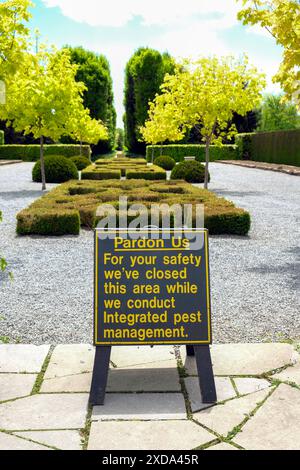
{"points": [[116, 168], [74, 204]]}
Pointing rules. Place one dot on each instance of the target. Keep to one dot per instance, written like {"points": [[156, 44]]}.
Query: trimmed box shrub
{"points": [[1, 138], [75, 203], [49, 221], [165, 162], [31, 153], [147, 173], [100, 173], [178, 152], [58, 170], [281, 147], [190, 171], [80, 162]]}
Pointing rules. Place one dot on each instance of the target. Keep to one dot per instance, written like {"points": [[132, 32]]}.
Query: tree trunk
{"points": [[43, 173], [152, 153], [206, 164], [81, 148]]}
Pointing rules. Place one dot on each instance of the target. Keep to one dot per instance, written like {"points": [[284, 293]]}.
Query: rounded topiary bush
{"points": [[80, 162], [192, 172], [167, 163], [58, 169]]}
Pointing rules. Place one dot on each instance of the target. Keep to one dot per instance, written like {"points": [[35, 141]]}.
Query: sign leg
{"points": [[205, 373], [190, 351], [100, 375]]}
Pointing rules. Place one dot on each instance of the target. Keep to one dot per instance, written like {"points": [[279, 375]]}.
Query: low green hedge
{"points": [[98, 173], [49, 221], [31, 153], [1, 138], [281, 147], [65, 208], [178, 152], [147, 173]]}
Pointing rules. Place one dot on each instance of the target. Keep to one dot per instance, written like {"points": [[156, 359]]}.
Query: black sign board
{"points": [[152, 287], [152, 290]]}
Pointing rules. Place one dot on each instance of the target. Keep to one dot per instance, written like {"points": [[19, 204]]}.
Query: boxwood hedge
{"points": [[75, 203], [31, 153], [281, 147], [178, 152], [1, 138]]}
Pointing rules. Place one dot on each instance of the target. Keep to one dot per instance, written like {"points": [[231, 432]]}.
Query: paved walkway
{"points": [[153, 400]]}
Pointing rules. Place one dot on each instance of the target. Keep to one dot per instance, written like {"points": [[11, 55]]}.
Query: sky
{"points": [[189, 28]]}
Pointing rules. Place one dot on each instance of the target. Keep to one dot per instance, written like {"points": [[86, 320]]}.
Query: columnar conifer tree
{"points": [[144, 75]]}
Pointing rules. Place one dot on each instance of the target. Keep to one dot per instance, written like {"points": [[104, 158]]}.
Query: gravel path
{"points": [[255, 280]]}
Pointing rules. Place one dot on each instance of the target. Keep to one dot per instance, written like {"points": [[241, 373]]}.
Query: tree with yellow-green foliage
{"points": [[14, 14], [14, 35], [43, 97], [281, 18], [160, 126], [207, 91], [83, 128]]}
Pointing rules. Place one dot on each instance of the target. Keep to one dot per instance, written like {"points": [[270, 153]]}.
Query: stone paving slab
{"points": [[142, 355], [291, 374], [149, 435], [62, 440], [250, 385], [119, 380], [65, 411], [70, 359], [17, 358], [16, 385], [224, 389], [142, 406], [245, 359], [9, 442], [276, 425], [281, 168], [223, 418]]}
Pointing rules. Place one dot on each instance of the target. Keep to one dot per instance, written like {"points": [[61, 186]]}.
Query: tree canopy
{"points": [[281, 18], [276, 115], [207, 91], [144, 75], [94, 71], [14, 35], [43, 96]]}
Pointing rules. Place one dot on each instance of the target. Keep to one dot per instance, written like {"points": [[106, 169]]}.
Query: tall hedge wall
{"points": [[144, 75], [94, 72], [1, 138], [281, 147], [178, 152], [31, 153]]}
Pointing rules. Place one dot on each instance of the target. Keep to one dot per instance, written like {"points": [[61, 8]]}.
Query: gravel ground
{"points": [[255, 279]]}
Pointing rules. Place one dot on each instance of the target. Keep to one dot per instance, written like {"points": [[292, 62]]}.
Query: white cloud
{"points": [[189, 29], [155, 12]]}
